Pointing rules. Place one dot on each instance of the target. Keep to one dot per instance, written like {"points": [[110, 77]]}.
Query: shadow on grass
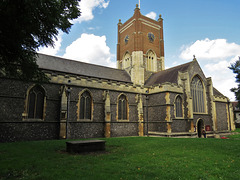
{"points": [[124, 158]]}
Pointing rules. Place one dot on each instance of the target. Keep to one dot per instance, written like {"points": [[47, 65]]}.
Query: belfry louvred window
{"points": [[85, 105], [122, 108], [197, 92], [36, 102], [151, 61]]}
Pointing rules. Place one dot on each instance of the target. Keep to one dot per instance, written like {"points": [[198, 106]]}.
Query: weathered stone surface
{"points": [[85, 146], [162, 88]]}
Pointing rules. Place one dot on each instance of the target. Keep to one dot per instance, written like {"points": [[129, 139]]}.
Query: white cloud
{"points": [[52, 50], [91, 49], [220, 66], [91, 28], [215, 56], [234, 59], [87, 7], [210, 49], [223, 80], [152, 15]]}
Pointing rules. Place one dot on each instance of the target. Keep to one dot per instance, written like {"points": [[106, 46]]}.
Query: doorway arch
{"points": [[200, 126]]}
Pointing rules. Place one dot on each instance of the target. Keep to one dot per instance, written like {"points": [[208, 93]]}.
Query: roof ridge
{"points": [[168, 75], [77, 61], [218, 91], [60, 64], [177, 66]]}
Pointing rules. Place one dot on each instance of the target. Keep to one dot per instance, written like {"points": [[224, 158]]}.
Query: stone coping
{"points": [[85, 146], [85, 141]]}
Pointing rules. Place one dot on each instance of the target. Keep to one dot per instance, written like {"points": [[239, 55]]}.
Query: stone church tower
{"points": [[140, 48], [141, 97]]}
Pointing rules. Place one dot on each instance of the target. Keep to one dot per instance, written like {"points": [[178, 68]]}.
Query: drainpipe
{"points": [[68, 92], [229, 114], [147, 98]]}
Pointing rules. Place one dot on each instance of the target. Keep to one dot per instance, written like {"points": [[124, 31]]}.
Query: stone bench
{"points": [[85, 146]]}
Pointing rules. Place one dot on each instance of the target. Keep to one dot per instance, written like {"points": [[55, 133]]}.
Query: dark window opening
{"points": [[178, 107], [36, 102], [85, 105], [122, 108]]}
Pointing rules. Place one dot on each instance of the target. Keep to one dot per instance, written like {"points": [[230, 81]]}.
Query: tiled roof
{"points": [[168, 75], [79, 68], [234, 103]]}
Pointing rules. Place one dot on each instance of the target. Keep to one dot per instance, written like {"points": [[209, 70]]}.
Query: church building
{"points": [[138, 98]]}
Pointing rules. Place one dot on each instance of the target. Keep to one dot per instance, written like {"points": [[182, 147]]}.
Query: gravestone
{"points": [[85, 146]]}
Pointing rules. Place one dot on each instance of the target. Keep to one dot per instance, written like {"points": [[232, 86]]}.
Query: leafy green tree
{"points": [[235, 67], [25, 26]]}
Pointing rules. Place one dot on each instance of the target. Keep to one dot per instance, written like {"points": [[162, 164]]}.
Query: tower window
{"points": [[151, 61], [126, 61]]}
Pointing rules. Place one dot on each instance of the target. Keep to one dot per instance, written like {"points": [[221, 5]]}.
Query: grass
{"points": [[125, 158], [237, 130]]}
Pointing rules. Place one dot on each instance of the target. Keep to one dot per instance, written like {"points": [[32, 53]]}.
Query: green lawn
{"points": [[125, 158]]}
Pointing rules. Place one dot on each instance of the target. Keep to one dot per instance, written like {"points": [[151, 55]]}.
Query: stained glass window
{"points": [[85, 105], [122, 108], [36, 102], [178, 107], [197, 92]]}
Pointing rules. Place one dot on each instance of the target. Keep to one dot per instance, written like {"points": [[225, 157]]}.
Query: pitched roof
{"points": [[235, 104], [58, 64], [217, 93], [168, 75]]}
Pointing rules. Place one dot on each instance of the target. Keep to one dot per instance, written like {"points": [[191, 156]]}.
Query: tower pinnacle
{"points": [[137, 7]]}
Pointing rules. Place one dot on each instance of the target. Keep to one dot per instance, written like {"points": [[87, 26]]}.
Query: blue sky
{"points": [[209, 29]]}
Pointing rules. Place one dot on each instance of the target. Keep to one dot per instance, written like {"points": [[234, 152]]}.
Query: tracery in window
{"points": [[127, 61], [178, 107], [85, 105], [197, 92], [151, 61], [122, 108], [35, 105]]}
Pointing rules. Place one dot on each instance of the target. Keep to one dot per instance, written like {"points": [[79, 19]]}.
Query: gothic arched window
{"points": [[151, 61], [127, 61], [122, 108], [36, 98], [178, 107], [197, 92], [85, 105]]}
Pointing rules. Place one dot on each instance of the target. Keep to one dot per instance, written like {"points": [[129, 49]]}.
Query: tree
{"points": [[25, 26], [235, 67]]}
